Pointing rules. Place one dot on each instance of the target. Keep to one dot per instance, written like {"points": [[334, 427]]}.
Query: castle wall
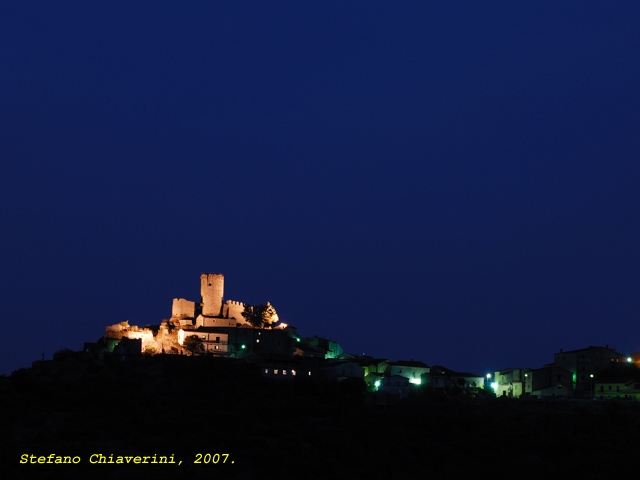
{"points": [[186, 322], [234, 309], [212, 291], [214, 322], [163, 341], [145, 335], [182, 308]]}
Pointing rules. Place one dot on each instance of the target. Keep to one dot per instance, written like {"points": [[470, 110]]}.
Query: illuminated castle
{"points": [[220, 324], [211, 311]]}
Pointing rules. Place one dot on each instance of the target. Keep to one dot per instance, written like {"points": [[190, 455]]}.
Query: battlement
{"points": [[233, 302], [234, 309], [212, 277]]}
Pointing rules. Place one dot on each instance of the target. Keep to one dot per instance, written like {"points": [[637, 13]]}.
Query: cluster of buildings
{"points": [[225, 328], [591, 372]]}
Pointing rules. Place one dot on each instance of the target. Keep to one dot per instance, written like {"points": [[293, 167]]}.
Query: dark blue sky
{"points": [[443, 181]]}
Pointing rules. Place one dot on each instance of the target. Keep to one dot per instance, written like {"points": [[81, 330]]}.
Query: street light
{"points": [[593, 393], [487, 383]]}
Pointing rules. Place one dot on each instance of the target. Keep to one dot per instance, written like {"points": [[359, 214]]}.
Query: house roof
{"points": [[505, 370], [410, 363], [590, 347], [440, 370], [369, 360]]}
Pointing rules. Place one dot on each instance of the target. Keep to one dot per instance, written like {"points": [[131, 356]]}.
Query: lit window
{"points": [[266, 370], [258, 341], [309, 373], [293, 372], [284, 372], [275, 372]]}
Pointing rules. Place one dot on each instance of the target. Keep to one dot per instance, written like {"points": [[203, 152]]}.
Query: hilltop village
{"points": [[219, 327], [221, 378]]}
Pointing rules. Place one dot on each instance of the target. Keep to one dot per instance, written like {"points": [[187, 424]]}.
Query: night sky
{"points": [[451, 182]]}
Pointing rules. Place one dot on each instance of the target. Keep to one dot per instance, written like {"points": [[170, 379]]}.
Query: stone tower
{"points": [[212, 291]]}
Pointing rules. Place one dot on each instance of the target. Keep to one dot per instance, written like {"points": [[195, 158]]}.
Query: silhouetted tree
{"points": [[260, 315], [193, 345]]}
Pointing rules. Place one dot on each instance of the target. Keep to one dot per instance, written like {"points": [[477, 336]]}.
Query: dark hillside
{"points": [[185, 406]]}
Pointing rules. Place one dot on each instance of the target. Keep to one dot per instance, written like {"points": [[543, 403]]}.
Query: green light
{"points": [[243, 347], [629, 359], [415, 381], [377, 383]]}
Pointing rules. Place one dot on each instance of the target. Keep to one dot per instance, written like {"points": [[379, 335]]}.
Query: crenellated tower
{"points": [[212, 291]]}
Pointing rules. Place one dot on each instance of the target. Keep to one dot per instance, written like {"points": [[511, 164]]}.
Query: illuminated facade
{"points": [[415, 372], [513, 382], [617, 388]]}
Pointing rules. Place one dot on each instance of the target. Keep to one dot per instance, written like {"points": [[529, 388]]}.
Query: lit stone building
{"points": [[513, 382], [218, 323]]}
